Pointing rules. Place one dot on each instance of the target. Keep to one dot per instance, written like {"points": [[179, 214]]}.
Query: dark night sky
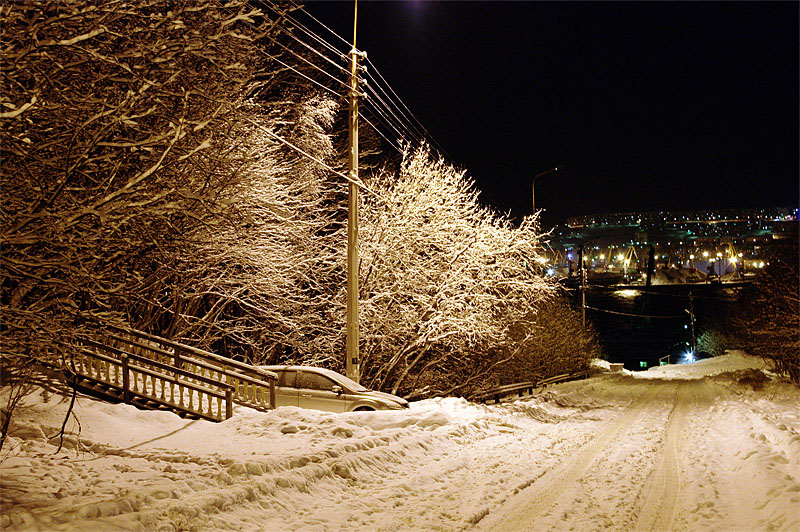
{"points": [[649, 106]]}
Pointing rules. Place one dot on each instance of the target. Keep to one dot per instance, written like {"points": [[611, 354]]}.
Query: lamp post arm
{"points": [[533, 185]]}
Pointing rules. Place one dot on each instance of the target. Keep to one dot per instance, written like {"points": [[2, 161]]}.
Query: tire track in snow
{"points": [[664, 485], [519, 512]]}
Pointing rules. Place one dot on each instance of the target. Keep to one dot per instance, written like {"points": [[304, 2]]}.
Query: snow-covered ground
{"points": [[687, 448]]}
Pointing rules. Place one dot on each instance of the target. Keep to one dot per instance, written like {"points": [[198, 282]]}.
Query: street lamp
{"points": [[533, 185]]}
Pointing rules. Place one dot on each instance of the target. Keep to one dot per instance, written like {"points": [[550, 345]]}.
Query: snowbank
{"points": [[444, 464], [731, 361]]}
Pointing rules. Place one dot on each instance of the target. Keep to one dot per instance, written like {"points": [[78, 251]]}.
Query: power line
{"points": [[381, 108], [377, 101], [427, 135], [312, 65], [320, 54], [302, 152], [392, 144], [442, 150], [315, 19], [378, 85], [315, 82], [633, 315], [386, 120]]}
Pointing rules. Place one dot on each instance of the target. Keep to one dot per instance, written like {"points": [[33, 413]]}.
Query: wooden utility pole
{"points": [[583, 289], [351, 350]]}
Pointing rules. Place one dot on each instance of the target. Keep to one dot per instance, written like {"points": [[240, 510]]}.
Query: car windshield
{"points": [[353, 385]]}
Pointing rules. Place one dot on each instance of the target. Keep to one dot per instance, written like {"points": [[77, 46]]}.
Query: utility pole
{"points": [[690, 311], [351, 351], [583, 289], [651, 265]]}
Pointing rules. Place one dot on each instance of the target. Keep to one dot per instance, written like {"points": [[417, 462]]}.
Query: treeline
{"points": [[766, 321], [143, 186]]}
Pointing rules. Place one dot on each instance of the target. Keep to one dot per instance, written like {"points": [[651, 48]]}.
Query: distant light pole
{"points": [[533, 185]]}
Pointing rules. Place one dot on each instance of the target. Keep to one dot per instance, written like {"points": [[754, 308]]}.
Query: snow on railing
{"points": [[501, 392], [252, 387], [133, 364], [136, 376]]}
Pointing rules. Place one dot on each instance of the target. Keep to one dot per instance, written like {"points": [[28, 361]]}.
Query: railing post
{"points": [[126, 396], [228, 403], [271, 393], [178, 361]]}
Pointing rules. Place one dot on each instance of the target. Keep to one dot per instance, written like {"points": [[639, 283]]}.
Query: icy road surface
{"points": [[678, 448]]}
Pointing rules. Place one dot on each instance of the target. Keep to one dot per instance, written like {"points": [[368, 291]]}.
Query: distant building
{"points": [[739, 238]]}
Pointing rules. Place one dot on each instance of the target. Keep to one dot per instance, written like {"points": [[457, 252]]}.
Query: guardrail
{"points": [[501, 392]]}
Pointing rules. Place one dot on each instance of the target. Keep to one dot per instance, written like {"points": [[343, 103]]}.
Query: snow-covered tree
{"points": [[441, 278], [142, 185], [266, 275], [767, 321], [121, 131], [551, 341]]}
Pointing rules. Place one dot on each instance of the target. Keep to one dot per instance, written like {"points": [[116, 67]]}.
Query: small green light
{"points": [[663, 362], [642, 364]]}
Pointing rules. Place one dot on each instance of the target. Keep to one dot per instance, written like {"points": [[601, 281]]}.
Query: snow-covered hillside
{"points": [[614, 452]]}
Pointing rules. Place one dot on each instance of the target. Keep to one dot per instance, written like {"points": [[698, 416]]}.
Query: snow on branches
{"points": [[142, 185], [442, 277], [115, 139]]}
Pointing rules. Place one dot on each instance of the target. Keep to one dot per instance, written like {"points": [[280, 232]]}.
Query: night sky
{"points": [[648, 106]]}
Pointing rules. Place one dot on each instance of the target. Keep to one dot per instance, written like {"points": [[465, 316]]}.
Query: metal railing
{"points": [[501, 392]]}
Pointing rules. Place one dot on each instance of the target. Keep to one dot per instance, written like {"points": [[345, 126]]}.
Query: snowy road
{"points": [[613, 452], [629, 476]]}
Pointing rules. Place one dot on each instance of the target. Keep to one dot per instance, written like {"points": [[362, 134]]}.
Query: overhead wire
{"points": [[377, 111], [317, 67], [285, 14], [388, 121], [315, 19], [375, 68], [378, 85], [377, 130], [426, 135], [397, 117], [634, 315], [382, 107], [340, 55], [325, 87], [320, 54]]}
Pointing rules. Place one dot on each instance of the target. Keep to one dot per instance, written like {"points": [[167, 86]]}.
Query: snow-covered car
{"points": [[323, 389]]}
